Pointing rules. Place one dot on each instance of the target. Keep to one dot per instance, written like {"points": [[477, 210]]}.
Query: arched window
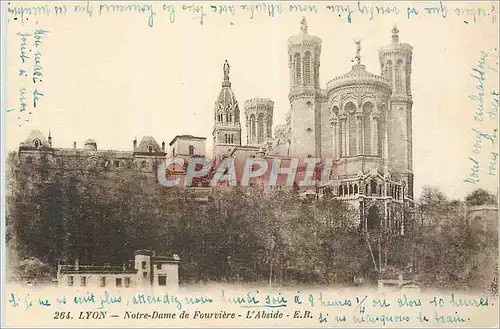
{"points": [[150, 149], [143, 164], [373, 220], [367, 127], [37, 143], [381, 124], [260, 128], [191, 150], [355, 188], [399, 76], [350, 110], [388, 72], [269, 128], [350, 189], [373, 187], [296, 61], [230, 118], [252, 128], [225, 138], [307, 68]]}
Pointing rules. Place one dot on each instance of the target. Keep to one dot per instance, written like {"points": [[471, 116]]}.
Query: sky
{"points": [[111, 77]]}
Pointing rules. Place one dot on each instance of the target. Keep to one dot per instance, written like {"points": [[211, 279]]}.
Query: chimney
{"points": [[77, 264], [163, 146], [74, 145], [135, 143], [50, 139]]}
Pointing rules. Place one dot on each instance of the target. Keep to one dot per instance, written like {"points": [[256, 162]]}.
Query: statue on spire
{"points": [[358, 51], [226, 68], [395, 34], [303, 25]]}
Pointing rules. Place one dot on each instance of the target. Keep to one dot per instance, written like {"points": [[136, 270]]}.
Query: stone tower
{"points": [[304, 53], [259, 121], [227, 126], [395, 62]]}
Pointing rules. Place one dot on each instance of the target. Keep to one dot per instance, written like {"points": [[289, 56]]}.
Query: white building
{"points": [[145, 269]]}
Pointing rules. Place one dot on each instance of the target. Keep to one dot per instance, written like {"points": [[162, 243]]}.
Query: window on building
{"points": [[70, 280], [102, 281], [37, 143], [162, 280], [83, 281], [307, 68], [143, 265], [389, 71], [260, 128], [373, 187], [117, 164], [118, 282], [158, 266], [297, 67], [145, 274], [127, 282], [191, 150], [143, 164], [150, 149], [173, 151]]}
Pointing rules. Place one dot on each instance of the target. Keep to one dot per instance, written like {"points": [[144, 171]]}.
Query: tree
{"points": [[480, 197]]}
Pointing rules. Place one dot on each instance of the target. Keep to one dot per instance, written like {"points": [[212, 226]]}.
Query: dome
{"points": [[358, 76], [90, 144]]}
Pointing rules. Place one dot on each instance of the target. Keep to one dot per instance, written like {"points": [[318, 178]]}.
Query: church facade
{"points": [[361, 120]]}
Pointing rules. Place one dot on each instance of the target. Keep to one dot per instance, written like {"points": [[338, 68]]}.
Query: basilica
{"points": [[361, 120]]}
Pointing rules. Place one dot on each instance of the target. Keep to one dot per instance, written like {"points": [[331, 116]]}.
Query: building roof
{"points": [[34, 135], [186, 137], [395, 45], [304, 35], [358, 76], [147, 141], [92, 269]]}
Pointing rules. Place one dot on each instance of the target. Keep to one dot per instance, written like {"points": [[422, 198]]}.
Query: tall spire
{"points": [[358, 51], [395, 35], [303, 25]]}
